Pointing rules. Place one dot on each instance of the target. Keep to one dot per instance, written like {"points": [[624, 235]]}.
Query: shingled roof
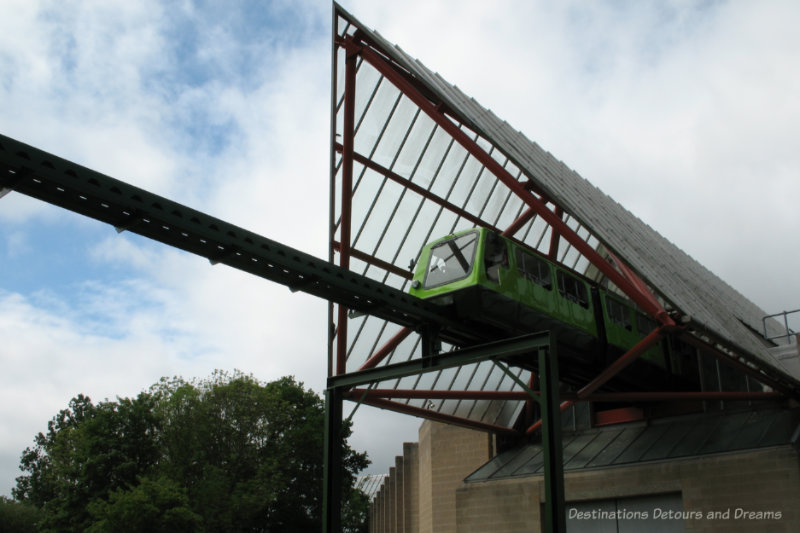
{"points": [[660, 440]]}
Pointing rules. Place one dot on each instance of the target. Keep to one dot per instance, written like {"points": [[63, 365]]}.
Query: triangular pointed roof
{"points": [[718, 314]]}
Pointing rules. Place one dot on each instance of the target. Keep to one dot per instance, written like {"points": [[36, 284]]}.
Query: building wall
{"points": [[410, 461], [451, 454], [427, 494], [761, 481], [419, 496]]}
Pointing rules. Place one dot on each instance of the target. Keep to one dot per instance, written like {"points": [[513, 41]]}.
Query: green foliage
{"points": [[88, 451], [355, 514], [152, 506], [18, 517], [225, 454]]}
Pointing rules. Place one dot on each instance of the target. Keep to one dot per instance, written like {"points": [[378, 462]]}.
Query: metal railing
{"points": [[788, 332]]}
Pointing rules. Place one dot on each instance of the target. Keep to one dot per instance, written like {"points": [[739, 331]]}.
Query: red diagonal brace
{"points": [[517, 224], [613, 369], [425, 193], [631, 276], [555, 237], [624, 360], [441, 417], [387, 348]]}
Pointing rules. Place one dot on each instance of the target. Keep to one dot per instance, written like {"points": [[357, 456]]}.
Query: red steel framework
{"points": [[356, 48]]}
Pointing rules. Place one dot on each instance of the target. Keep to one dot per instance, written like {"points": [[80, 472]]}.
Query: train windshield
{"points": [[451, 260]]}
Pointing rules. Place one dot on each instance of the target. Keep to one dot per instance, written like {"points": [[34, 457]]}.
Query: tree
{"points": [[225, 454], [89, 450], [153, 506], [18, 517]]}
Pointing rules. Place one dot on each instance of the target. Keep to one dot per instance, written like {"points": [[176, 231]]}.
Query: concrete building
{"points": [[737, 471]]}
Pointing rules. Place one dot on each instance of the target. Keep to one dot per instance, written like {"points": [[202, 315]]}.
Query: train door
{"points": [[495, 257]]}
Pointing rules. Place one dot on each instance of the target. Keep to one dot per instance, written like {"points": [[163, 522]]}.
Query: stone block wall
{"points": [[749, 491], [756, 490], [420, 493]]}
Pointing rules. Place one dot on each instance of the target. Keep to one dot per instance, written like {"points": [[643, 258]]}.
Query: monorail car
{"points": [[490, 279]]}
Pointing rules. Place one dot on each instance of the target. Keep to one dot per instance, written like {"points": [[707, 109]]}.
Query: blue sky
{"points": [[684, 112]]}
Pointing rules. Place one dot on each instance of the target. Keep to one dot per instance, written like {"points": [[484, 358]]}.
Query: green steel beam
{"points": [[333, 471], [492, 350], [554, 508], [60, 182], [533, 394], [41, 175]]}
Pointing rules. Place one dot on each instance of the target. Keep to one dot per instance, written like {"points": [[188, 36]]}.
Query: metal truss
{"points": [[396, 101]]}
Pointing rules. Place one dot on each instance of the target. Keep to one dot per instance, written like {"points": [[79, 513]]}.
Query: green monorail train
{"points": [[492, 280]]}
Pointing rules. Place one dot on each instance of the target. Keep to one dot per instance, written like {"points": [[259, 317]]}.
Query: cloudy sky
{"points": [[687, 113]]}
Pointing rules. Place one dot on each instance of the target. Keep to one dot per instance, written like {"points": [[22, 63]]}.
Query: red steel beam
{"points": [[571, 398], [623, 361], [613, 369], [348, 134], [662, 396], [517, 224], [636, 280], [555, 237], [530, 405], [386, 349], [425, 193], [372, 260], [440, 417], [538, 424], [679, 396], [555, 222]]}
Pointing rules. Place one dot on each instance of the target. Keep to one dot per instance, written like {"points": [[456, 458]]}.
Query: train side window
{"points": [[534, 269], [572, 289], [495, 255], [645, 324], [619, 313]]}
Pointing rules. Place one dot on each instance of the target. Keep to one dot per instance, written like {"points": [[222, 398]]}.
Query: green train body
{"points": [[492, 280]]}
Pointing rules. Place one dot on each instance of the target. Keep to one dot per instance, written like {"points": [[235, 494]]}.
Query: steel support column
{"points": [[555, 518], [338, 385], [332, 464]]}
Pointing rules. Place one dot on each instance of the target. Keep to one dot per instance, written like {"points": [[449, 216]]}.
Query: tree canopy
{"points": [[224, 454]]}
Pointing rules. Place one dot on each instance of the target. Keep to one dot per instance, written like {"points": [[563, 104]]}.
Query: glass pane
{"points": [[451, 260]]}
